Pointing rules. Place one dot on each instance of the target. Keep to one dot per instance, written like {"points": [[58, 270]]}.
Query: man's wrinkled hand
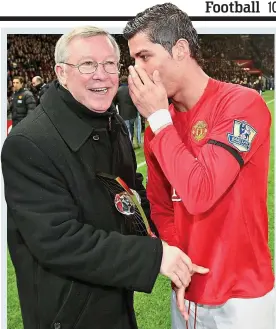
{"points": [[176, 265], [180, 291]]}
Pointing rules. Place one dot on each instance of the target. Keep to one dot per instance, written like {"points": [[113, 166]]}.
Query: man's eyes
{"points": [[144, 57]]}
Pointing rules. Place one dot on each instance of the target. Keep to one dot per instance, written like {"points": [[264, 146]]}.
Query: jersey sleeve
{"points": [[243, 126], [159, 195], [234, 138]]}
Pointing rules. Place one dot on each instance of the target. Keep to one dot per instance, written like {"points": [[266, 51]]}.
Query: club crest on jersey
{"points": [[199, 130], [242, 135]]}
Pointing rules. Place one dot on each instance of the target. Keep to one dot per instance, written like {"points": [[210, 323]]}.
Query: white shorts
{"points": [[236, 313]]}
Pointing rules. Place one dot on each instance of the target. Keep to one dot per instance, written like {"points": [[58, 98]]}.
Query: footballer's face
{"points": [[152, 56]]}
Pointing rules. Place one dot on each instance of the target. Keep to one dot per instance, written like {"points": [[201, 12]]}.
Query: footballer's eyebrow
{"points": [[141, 52]]}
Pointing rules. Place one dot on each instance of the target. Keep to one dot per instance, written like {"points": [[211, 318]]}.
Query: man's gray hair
{"points": [[61, 50]]}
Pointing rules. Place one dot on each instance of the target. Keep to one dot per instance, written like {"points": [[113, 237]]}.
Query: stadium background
{"points": [[242, 59]]}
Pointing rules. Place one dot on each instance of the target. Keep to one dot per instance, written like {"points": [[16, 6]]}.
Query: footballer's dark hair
{"points": [[165, 24]]}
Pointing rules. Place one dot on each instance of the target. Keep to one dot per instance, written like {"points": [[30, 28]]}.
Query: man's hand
{"points": [[177, 266], [180, 292], [148, 95]]}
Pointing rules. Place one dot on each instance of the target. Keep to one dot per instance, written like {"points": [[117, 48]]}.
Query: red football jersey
{"points": [[207, 185]]}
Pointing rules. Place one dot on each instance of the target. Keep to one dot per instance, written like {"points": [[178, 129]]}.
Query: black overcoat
{"points": [[74, 267]]}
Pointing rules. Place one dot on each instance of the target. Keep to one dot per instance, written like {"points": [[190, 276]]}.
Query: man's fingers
{"points": [[175, 279], [143, 75], [131, 87], [200, 269], [135, 78], [187, 261], [180, 299], [180, 293], [183, 273], [156, 78]]}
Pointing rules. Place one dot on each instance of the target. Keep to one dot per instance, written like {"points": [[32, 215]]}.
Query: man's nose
{"points": [[100, 72]]}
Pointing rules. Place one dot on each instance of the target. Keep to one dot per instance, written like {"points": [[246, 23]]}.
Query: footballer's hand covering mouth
{"points": [[149, 95]]}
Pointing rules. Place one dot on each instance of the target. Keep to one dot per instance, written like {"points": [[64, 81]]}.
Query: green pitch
{"points": [[153, 311]]}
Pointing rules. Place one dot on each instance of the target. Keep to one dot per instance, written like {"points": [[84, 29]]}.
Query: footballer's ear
{"points": [[181, 50], [61, 73]]}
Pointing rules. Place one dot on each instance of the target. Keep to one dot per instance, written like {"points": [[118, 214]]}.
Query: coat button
{"points": [[57, 325], [96, 137]]}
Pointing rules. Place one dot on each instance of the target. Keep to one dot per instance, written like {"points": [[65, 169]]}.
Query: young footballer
{"points": [[208, 159]]}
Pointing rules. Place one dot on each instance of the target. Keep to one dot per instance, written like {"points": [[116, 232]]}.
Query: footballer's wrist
{"points": [[159, 120], [160, 129]]}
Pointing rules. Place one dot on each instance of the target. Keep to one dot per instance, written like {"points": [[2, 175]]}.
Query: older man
{"points": [[40, 86], [76, 263], [208, 161]]}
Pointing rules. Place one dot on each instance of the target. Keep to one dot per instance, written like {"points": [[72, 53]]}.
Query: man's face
{"points": [[151, 57], [35, 82], [94, 90], [17, 85]]}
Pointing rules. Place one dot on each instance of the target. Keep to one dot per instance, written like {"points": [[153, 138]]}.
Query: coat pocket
{"points": [[73, 306]]}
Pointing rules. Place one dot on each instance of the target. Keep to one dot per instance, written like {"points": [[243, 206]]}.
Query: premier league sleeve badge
{"points": [[242, 136]]}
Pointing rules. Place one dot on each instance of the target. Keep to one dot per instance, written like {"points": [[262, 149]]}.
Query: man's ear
{"points": [[61, 74], [181, 50]]}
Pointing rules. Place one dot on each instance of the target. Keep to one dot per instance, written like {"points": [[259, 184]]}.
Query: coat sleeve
{"points": [[46, 216], [29, 102]]}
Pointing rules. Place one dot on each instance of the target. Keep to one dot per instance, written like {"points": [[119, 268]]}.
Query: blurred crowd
{"points": [[33, 55], [220, 51], [30, 56]]}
